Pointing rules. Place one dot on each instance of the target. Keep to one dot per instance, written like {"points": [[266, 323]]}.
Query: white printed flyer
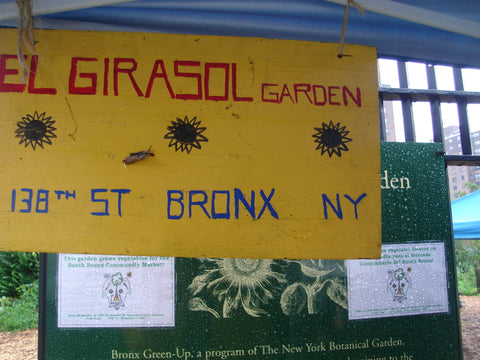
{"points": [[409, 279], [96, 291]]}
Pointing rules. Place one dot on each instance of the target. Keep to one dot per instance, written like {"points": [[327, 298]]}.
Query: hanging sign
{"points": [[175, 145]]}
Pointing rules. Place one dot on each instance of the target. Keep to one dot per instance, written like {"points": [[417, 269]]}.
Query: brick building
{"points": [[459, 175]]}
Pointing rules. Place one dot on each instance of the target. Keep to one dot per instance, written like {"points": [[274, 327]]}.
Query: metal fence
{"points": [[406, 96]]}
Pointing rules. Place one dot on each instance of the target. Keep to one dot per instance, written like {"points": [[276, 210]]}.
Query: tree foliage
{"points": [[467, 257], [469, 188], [17, 269]]}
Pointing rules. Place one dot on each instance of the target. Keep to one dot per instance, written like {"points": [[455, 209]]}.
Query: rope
{"points": [[344, 25], [25, 33]]}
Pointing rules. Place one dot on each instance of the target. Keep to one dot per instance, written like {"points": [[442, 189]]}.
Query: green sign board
{"points": [[402, 306]]}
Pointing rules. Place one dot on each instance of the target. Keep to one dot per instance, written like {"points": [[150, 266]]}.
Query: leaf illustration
{"points": [[321, 268], [293, 299], [197, 304], [337, 292]]}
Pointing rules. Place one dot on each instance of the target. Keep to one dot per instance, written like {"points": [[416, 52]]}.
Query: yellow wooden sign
{"points": [[195, 146]]}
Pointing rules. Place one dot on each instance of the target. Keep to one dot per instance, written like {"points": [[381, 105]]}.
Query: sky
{"points": [[417, 78]]}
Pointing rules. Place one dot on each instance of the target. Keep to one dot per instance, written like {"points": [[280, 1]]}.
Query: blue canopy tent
{"points": [[442, 31], [466, 216]]}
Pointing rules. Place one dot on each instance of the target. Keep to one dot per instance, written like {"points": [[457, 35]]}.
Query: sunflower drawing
{"points": [[186, 134], [35, 130], [237, 283], [331, 139]]}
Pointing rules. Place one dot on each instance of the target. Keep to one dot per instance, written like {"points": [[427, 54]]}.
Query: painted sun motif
{"points": [[238, 283], [36, 129], [331, 139], [186, 134]]}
